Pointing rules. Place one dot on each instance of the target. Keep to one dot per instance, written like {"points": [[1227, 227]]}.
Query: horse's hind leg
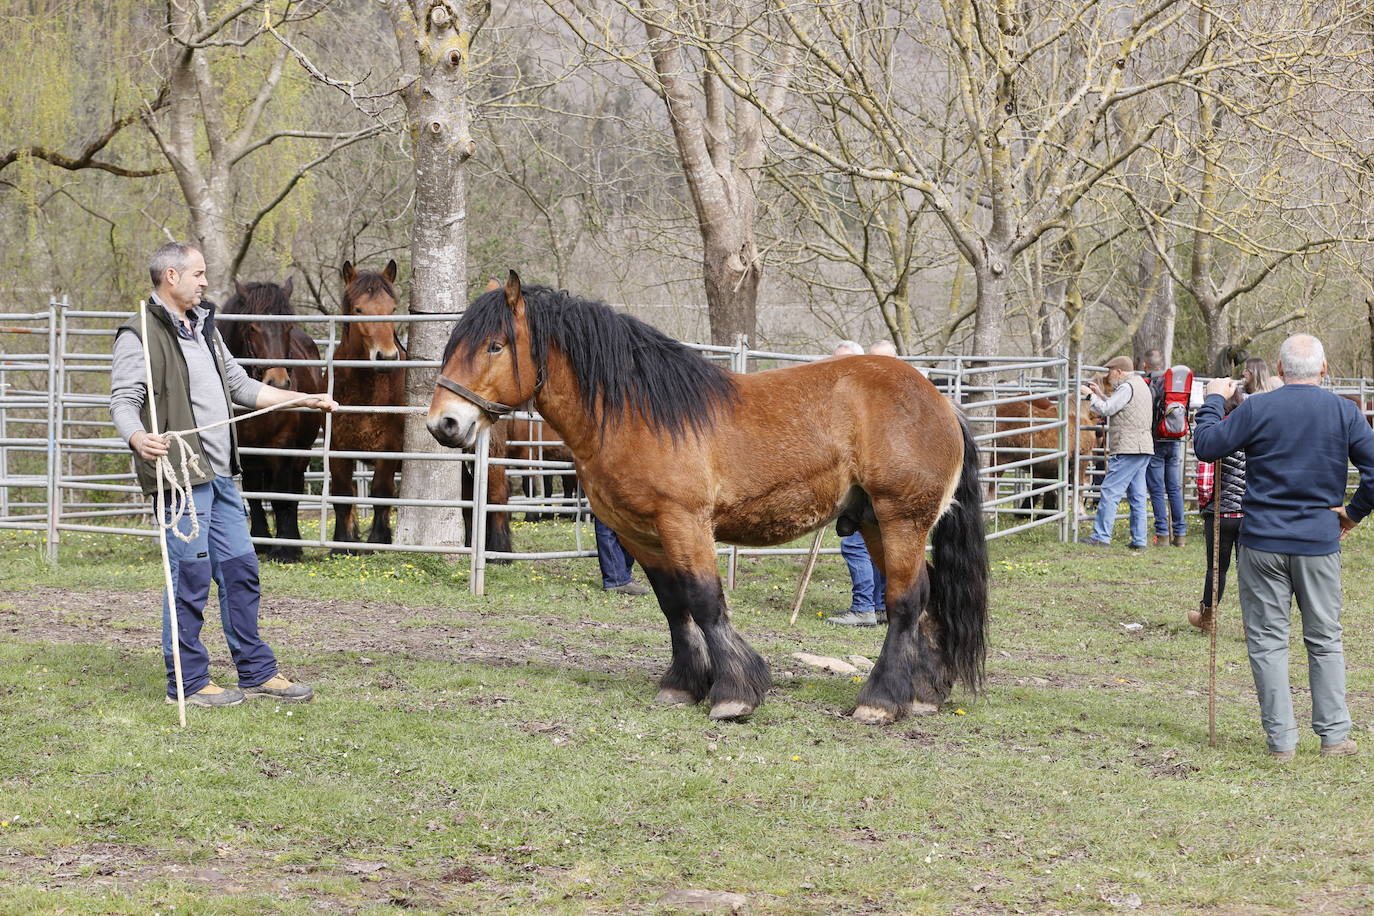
{"points": [[909, 676]]}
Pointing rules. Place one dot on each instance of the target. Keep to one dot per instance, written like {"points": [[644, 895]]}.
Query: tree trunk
{"points": [[1154, 282], [434, 40]]}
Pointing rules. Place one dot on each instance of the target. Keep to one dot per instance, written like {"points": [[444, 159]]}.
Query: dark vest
{"points": [[172, 393]]}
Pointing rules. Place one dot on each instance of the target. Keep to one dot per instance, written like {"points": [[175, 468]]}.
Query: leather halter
{"points": [[494, 410]]}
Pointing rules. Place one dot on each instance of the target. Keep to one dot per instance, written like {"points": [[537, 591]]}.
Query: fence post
{"points": [[478, 534], [54, 427], [1066, 460], [328, 429], [739, 363]]}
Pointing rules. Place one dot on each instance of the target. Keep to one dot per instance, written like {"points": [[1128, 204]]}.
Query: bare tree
{"points": [[434, 38]]}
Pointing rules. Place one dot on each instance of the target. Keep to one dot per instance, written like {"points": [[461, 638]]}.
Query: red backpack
{"points": [[1171, 391]]}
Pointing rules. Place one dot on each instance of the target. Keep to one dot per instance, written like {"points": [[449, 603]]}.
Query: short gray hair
{"points": [[849, 348], [173, 255], [1302, 357], [883, 348]]}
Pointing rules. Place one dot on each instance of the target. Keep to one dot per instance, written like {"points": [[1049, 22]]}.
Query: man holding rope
{"points": [[1297, 441], [194, 379]]}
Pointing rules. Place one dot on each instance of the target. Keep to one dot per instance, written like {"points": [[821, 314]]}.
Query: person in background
{"points": [[1128, 410], [1299, 441], [868, 585], [1164, 476], [1223, 480], [1256, 379], [615, 562]]}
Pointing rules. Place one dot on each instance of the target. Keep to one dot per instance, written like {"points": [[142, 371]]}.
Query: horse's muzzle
{"points": [[453, 432]]}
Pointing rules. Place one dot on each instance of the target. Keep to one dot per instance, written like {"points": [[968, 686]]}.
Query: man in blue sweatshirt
{"points": [[1297, 441]]}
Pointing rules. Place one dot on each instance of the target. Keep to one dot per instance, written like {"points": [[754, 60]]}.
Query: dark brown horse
{"points": [[675, 453], [280, 429], [379, 384]]}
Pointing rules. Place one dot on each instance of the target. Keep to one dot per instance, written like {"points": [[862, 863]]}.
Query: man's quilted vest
{"points": [[172, 394], [1129, 428]]}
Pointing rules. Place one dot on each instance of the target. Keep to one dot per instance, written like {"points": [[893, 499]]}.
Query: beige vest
{"points": [[1129, 428]]}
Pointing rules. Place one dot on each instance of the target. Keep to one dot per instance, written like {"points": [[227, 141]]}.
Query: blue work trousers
{"points": [[869, 583], [1165, 480], [1125, 477], [615, 561], [220, 551]]}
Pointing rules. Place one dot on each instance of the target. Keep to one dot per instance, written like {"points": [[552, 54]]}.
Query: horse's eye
{"points": [[495, 346]]}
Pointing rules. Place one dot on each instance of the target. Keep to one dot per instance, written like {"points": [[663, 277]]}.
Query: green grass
{"points": [[503, 754]]}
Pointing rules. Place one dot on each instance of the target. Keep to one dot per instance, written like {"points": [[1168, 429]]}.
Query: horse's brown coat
{"points": [[794, 449]]}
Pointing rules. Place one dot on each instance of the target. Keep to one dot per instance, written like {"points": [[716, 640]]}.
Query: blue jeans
{"points": [[615, 561], [869, 583], [1125, 477], [1165, 479], [222, 552]]}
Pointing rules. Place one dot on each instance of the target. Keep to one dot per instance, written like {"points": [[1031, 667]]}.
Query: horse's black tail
{"points": [[959, 579]]}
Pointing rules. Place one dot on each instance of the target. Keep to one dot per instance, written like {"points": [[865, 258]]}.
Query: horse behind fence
{"points": [[296, 430]]}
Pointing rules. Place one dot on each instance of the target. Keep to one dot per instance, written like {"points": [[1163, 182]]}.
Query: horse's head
{"points": [[261, 339], [488, 366], [370, 293]]}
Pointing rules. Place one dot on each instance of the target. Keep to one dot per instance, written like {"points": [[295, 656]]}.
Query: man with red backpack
{"points": [[1170, 389]]}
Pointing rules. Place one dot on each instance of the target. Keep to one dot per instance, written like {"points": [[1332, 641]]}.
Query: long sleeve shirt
{"points": [[1299, 441], [128, 390], [1114, 403]]}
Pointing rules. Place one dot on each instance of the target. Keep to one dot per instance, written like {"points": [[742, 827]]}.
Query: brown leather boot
{"points": [[1201, 618], [1177, 540]]}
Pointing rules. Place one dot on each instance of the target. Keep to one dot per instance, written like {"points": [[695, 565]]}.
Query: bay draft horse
{"points": [[274, 340], [1020, 430], [675, 453], [379, 384]]}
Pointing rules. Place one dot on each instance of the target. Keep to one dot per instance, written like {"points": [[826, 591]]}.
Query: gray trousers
{"points": [[1268, 583]]}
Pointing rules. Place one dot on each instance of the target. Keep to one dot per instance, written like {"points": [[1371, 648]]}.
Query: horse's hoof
{"points": [[923, 709], [671, 696], [731, 709], [873, 715]]}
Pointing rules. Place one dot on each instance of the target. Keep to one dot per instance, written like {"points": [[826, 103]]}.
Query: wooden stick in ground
{"points": [[160, 507], [806, 577], [1216, 595]]}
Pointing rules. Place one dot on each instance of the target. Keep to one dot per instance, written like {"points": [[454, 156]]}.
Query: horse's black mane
{"points": [[621, 363], [259, 299], [367, 283], [256, 299]]}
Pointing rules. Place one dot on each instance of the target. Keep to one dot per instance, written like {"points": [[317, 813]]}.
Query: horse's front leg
{"points": [[289, 477], [909, 677], [383, 487], [345, 514], [255, 480], [685, 577], [688, 678]]}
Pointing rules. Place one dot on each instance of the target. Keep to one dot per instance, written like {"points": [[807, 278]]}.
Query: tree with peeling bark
{"points": [[434, 38], [720, 141]]}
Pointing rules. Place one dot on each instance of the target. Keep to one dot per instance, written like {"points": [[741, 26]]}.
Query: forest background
{"points": [[1096, 176]]}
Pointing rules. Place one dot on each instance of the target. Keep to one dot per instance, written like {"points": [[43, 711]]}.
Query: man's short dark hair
{"points": [[173, 255], [1154, 360]]}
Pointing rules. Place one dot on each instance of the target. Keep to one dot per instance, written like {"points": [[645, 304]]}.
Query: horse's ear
{"points": [[349, 274], [288, 286], [492, 285], [239, 290], [514, 296], [390, 271]]}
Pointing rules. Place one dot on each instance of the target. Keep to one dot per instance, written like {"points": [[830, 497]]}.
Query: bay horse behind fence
{"points": [[675, 453], [275, 340], [381, 383]]}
